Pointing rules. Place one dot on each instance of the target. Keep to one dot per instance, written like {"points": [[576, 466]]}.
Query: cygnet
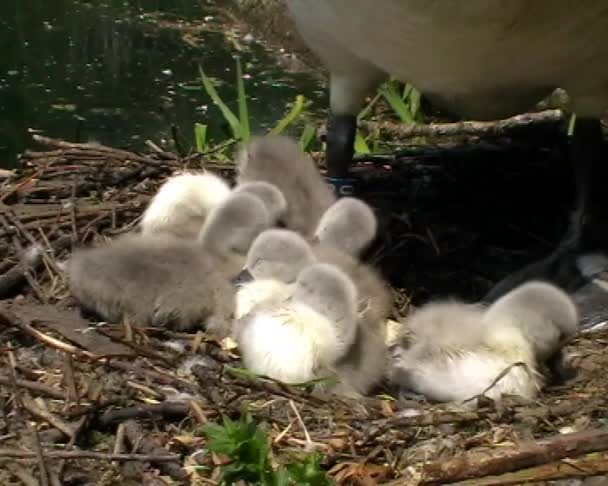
{"points": [[273, 263], [349, 225], [182, 204], [280, 161], [269, 194], [294, 340], [458, 350], [162, 280]]}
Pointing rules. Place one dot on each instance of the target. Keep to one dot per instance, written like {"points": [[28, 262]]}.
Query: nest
{"points": [[84, 402]]}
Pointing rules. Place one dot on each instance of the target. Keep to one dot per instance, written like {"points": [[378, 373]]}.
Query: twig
{"points": [[36, 387], [309, 442], [164, 409], [99, 456], [500, 376], [527, 455], [478, 128], [45, 415], [7, 318], [149, 445]]}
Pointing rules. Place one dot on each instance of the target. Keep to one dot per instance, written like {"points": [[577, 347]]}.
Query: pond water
{"points": [[122, 72]]}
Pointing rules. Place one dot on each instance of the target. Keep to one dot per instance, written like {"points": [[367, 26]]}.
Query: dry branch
{"points": [[99, 456], [526, 455], [508, 126]]}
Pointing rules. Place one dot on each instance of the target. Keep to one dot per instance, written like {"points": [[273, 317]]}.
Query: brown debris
{"points": [[112, 404]]}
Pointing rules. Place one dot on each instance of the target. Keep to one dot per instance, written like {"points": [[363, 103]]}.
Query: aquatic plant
{"points": [[404, 100], [240, 124]]}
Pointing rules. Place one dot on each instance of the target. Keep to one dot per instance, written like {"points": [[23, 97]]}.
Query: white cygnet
{"points": [[182, 204], [297, 339], [458, 351]]}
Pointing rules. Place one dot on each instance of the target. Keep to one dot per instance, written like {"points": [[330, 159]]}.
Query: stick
{"points": [[527, 455], [478, 128], [98, 456]]}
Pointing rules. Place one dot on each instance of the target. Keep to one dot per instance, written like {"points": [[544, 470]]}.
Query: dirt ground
{"points": [[455, 218]]}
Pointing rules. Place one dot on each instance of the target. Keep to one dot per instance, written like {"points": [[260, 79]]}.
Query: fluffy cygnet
{"points": [[182, 204], [274, 261], [293, 340], [269, 194], [459, 350], [163, 280], [280, 161], [349, 225]]}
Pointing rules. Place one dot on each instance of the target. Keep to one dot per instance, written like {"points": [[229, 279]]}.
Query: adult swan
{"points": [[483, 59]]}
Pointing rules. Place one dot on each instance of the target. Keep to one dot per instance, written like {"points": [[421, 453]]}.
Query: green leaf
{"points": [[361, 146], [571, 124], [393, 98], [229, 116], [242, 97], [200, 137], [367, 110], [293, 115], [308, 135]]}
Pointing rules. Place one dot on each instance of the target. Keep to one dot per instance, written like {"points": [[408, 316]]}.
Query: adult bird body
{"points": [[483, 59]]}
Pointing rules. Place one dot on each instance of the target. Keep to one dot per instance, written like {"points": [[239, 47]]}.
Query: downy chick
{"points": [[454, 357], [279, 160], [161, 280], [459, 350], [349, 225], [182, 204], [274, 261], [269, 194], [294, 340]]}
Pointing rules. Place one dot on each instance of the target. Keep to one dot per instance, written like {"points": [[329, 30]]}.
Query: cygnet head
{"points": [[278, 254], [269, 194], [349, 224], [330, 292], [233, 225], [546, 315], [182, 204]]}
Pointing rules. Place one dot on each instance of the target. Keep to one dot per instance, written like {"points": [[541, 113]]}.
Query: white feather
{"points": [[182, 204], [255, 292], [288, 343]]}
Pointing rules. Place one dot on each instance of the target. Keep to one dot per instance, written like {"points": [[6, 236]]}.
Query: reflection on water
{"points": [[119, 72]]}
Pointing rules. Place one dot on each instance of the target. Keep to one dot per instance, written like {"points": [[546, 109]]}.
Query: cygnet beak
{"points": [[242, 278]]}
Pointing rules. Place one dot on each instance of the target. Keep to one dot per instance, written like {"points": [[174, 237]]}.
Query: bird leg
{"points": [[340, 150]]}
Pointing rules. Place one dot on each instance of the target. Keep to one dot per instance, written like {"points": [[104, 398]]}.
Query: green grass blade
{"points": [[229, 116], [308, 135], [293, 115], [415, 103], [200, 137], [367, 110], [571, 124], [242, 97], [361, 146], [395, 101]]}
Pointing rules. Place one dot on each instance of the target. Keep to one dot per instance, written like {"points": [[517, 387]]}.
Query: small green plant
{"points": [[247, 447], [406, 104]]}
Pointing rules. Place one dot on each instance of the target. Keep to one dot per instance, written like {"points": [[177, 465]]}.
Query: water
{"points": [[121, 72]]}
